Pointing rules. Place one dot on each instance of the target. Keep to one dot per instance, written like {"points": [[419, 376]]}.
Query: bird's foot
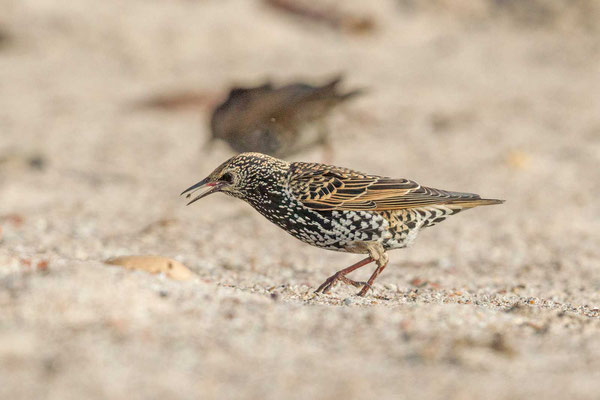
{"points": [[335, 278], [364, 290], [341, 276]]}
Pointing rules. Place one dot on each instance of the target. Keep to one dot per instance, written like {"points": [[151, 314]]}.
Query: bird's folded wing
{"points": [[323, 187]]}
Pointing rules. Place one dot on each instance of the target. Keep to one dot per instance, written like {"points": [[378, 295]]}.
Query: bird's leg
{"points": [[341, 276], [381, 258]]}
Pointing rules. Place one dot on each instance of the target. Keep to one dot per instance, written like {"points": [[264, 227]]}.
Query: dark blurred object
{"points": [[583, 13], [179, 101], [5, 37], [327, 16], [550, 14], [37, 161], [18, 159], [277, 121]]}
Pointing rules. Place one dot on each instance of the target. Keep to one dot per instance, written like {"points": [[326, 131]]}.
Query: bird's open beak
{"points": [[205, 187]]}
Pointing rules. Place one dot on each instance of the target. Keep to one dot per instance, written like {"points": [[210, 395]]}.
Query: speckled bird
{"points": [[336, 208], [278, 121]]}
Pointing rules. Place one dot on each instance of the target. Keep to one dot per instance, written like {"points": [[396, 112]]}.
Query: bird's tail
{"points": [[332, 85], [351, 94], [470, 203]]}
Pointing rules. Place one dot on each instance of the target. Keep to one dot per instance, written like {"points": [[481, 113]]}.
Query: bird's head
{"points": [[246, 176]]}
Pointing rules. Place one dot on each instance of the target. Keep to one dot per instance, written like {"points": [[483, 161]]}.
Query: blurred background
{"points": [[105, 117]]}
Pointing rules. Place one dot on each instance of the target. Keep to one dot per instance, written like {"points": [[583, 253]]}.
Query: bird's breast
{"points": [[338, 229]]}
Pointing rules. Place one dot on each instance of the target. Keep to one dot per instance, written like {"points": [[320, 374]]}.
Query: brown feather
{"points": [[325, 187]]}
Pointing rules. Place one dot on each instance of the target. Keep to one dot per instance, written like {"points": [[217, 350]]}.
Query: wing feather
{"points": [[324, 187]]}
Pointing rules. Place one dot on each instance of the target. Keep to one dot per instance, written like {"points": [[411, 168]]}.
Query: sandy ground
{"points": [[497, 303]]}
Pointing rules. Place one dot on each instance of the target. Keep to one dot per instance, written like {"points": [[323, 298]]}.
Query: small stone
{"points": [[347, 301], [418, 282], [42, 266]]}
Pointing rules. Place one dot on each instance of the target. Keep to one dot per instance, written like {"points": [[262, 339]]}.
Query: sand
{"points": [[498, 302]]}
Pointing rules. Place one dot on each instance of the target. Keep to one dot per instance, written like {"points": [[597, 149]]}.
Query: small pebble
{"points": [[347, 301]]}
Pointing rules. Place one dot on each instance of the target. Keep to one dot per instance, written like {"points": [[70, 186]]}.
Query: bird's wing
{"points": [[323, 187]]}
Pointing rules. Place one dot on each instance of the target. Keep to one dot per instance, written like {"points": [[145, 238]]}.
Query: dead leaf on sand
{"points": [[155, 265]]}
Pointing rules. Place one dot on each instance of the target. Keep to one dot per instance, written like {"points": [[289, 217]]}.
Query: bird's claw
{"points": [[332, 280], [364, 290]]}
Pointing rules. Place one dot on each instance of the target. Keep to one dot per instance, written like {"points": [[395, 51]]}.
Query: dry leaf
{"points": [[155, 265]]}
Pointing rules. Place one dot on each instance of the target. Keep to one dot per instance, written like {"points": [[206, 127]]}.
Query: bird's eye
{"points": [[227, 177]]}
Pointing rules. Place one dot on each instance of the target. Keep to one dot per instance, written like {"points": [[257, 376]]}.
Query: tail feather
{"points": [[351, 94], [470, 203], [332, 85]]}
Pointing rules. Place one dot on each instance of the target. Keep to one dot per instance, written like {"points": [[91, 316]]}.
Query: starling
{"points": [[277, 121], [336, 208]]}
